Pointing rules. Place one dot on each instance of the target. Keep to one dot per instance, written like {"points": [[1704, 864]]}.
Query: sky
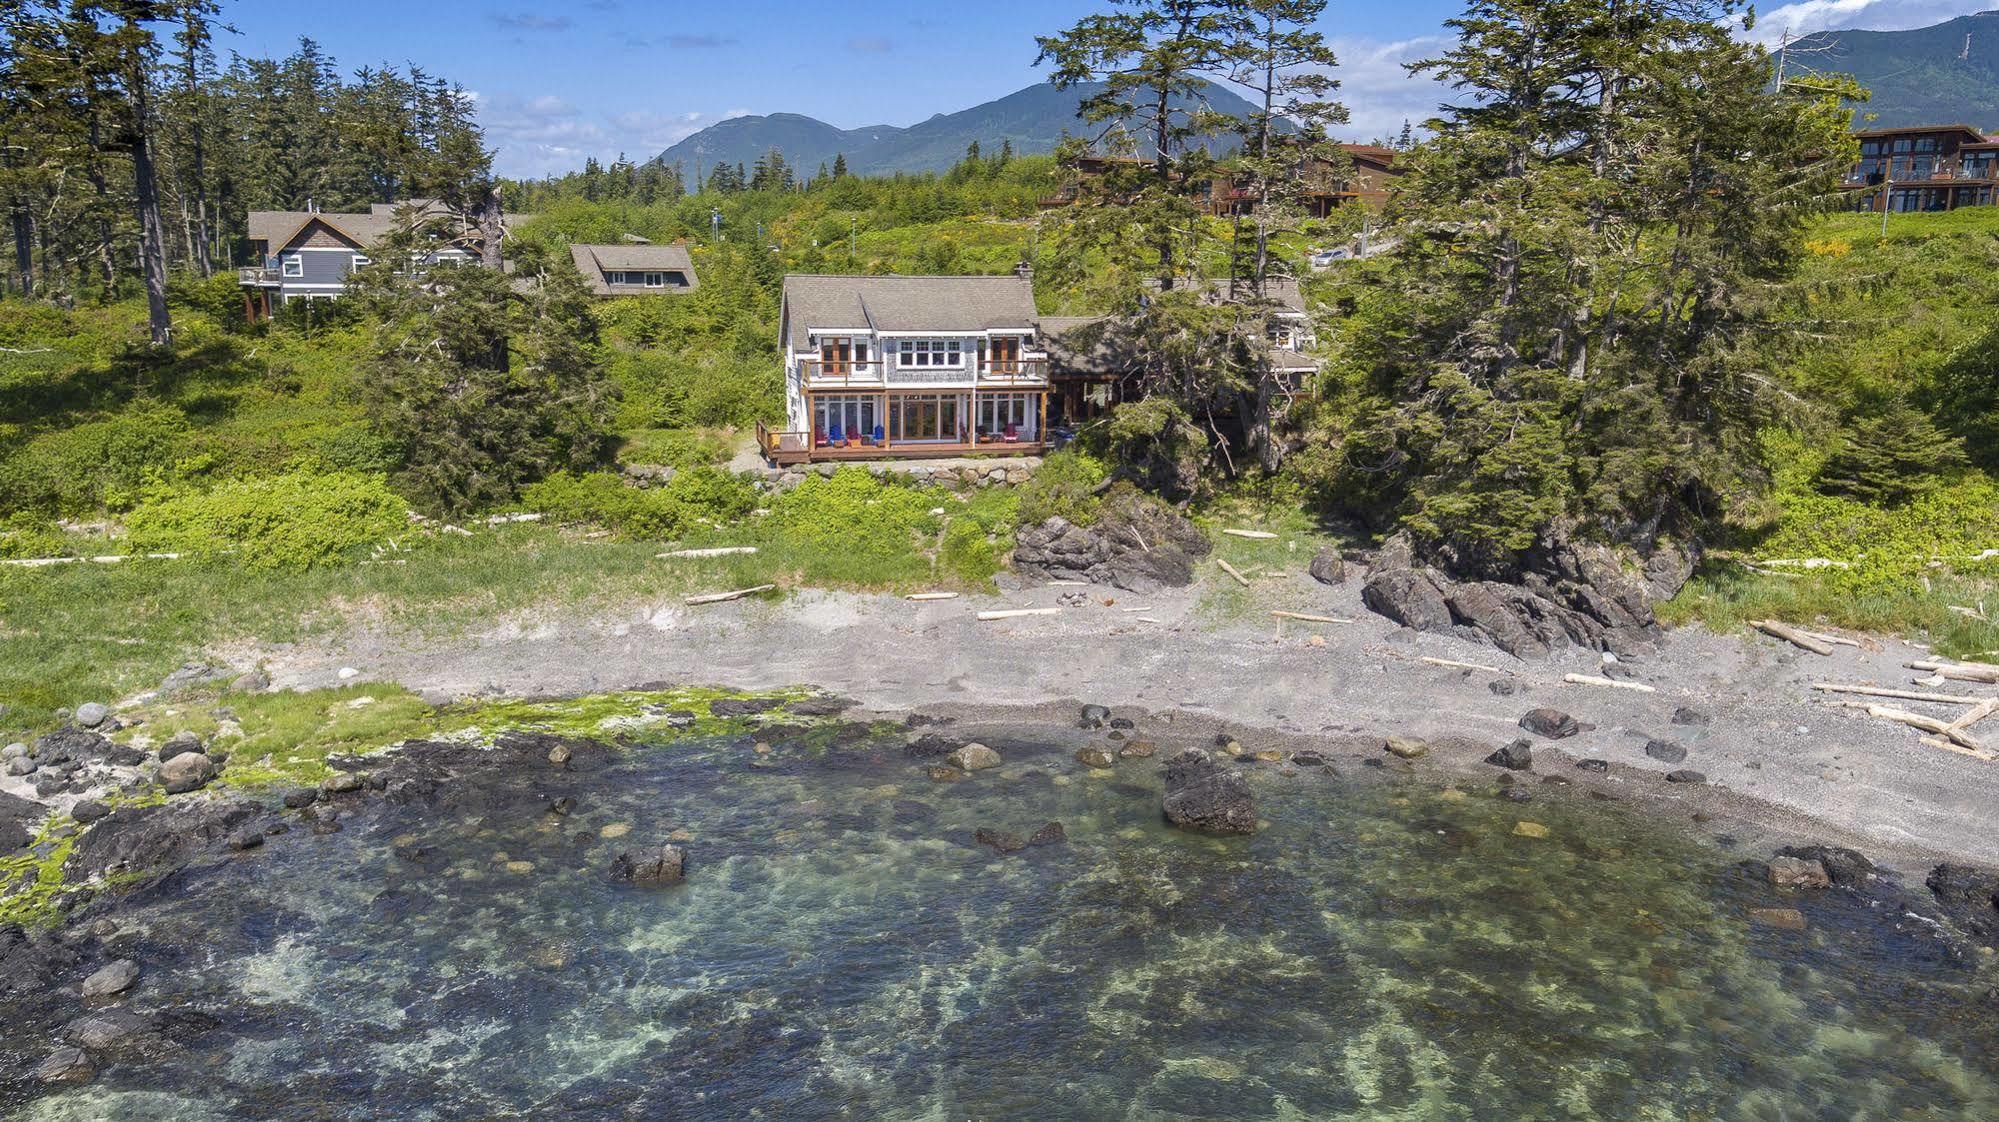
{"points": [[558, 82]]}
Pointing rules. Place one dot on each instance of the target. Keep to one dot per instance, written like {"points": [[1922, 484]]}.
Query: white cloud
{"points": [[1871, 15], [546, 135], [1378, 90]]}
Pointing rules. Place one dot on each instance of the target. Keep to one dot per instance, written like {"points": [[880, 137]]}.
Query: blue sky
{"points": [[559, 82]]}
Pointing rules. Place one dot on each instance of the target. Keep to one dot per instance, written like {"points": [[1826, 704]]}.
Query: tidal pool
{"points": [[843, 949]]}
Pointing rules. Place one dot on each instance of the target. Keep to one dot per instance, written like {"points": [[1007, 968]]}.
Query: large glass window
{"points": [[843, 418], [294, 265], [999, 412], [930, 353]]}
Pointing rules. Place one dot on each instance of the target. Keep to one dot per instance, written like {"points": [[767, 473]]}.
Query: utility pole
{"points": [[715, 221]]}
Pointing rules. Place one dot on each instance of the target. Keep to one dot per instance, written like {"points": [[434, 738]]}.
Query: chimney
{"points": [[1024, 271]]}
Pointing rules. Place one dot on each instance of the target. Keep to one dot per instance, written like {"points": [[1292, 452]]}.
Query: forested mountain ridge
{"points": [[1946, 74], [1033, 120]]}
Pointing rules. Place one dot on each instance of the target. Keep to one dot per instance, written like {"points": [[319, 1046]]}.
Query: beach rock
{"points": [[742, 706], [1797, 872], [189, 771], [560, 755], [182, 741], [1308, 758], [945, 774], [13, 751], [1203, 795], [18, 817], [1685, 775], [1004, 843], [662, 864], [111, 978], [1049, 834], [254, 681], [1408, 597], [1137, 750], [1970, 897], [342, 783], [1406, 747], [86, 811], [1846, 867], [1137, 543], [64, 1065], [929, 746], [249, 837], [1597, 766], [298, 798], [1093, 717], [21, 765], [91, 714], [1328, 567], [1665, 751], [1551, 723], [974, 757], [1095, 755], [1783, 919], [1691, 717], [106, 1029], [1517, 756], [821, 706], [1503, 687]]}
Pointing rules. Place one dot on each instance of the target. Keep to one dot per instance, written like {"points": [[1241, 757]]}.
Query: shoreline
{"points": [[1774, 758]]}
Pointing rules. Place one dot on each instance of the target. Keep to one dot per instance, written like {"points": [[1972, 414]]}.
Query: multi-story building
{"points": [[1936, 167], [308, 254], [894, 366], [636, 269]]}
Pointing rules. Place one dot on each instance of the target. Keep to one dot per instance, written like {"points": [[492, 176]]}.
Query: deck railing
{"points": [[255, 275], [819, 370], [1025, 371]]}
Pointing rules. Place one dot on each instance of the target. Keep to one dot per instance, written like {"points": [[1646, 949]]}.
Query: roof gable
{"points": [[898, 304]]}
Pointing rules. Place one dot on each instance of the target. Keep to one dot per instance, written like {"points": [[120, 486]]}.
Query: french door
{"points": [[916, 418]]}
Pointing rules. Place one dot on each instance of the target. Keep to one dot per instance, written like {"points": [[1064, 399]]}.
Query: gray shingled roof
{"points": [[906, 304], [594, 260], [277, 228]]}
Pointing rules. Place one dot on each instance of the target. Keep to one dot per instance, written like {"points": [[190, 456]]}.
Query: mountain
{"points": [[1942, 75], [1034, 119]]}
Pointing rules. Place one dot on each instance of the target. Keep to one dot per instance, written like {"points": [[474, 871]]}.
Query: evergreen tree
{"points": [[839, 165], [1891, 453]]}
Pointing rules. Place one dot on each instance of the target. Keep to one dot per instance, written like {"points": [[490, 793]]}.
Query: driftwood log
{"points": [[1792, 635], [738, 594]]}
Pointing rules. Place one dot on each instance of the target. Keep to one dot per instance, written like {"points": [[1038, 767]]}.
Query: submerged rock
{"points": [[1798, 872], [1095, 755], [1406, 747], [112, 978], [64, 1065], [106, 1029], [974, 757], [1137, 750], [1203, 795], [1970, 897], [1783, 919], [1846, 867], [661, 864], [1551, 723], [1006, 844], [1517, 756], [1093, 717]]}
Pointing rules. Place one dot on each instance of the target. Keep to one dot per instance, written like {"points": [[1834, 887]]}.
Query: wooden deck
{"points": [[784, 449]]}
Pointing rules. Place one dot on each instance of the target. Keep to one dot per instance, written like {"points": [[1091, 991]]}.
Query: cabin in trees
{"points": [[907, 367], [635, 269], [308, 254], [1935, 167]]}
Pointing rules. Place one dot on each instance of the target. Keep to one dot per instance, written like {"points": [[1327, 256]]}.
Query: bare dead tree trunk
{"points": [[491, 229], [146, 196]]}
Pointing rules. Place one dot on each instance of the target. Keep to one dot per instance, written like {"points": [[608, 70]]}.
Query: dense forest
{"points": [[1617, 304]]}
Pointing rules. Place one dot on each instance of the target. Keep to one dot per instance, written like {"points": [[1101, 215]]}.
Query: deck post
{"points": [[1041, 433], [884, 414]]}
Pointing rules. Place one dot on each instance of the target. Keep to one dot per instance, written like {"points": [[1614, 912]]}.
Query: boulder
{"points": [[662, 864], [1551, 723], [1408, 597], [18, 818], [21, 765], [1137, 543], [91, 714], [298, 798], [111, 978], [106, 1029], [1406, 747], [1845, 867], [342, 783], [86, 811], [1665, 751], [249, 837], [1137, 750], [14, 751], [1095, 755], [1203, 795], [974, 757], [189, 771], [254, 681], [1797, 872], [1093, 717], [1517, 756], [1970, 897], [1328, 567], [182, 741], [64, 1065]]}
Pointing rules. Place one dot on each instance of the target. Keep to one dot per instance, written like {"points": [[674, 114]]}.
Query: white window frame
{"points": [[997, 411], [292, 265], [361, 261], [861, 410], [930, 354], [655, 280]]}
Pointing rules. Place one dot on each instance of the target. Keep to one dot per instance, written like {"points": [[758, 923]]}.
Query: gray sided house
{"points": [[635, 270], [308, 254], [901, 367]]}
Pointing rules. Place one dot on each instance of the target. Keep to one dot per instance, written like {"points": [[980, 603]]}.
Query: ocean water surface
{"points": [[842, 948]]}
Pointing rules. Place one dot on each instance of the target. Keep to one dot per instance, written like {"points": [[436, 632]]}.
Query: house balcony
{"points": [[786, 448], [1030, 371], [259, 278]]}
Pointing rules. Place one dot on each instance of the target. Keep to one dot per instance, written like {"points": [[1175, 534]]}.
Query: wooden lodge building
{"points": [[307, 254], [1930, 168]]}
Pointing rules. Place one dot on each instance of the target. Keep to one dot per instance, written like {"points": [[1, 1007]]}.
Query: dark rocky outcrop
{"points": [[742, 706], [1561, 593], [147, 841], [18, 817], [1203, 795], [1846, 867], [654, 864], [1136, 543], [1970, 897], [1551, 723], [1517, 756]]}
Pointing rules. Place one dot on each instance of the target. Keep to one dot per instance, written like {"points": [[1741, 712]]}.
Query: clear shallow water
{"points": [[842, 949]]}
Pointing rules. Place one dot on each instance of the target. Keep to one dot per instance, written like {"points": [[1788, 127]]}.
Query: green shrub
{"points": [[967, 551], [94, 464], [855, 515], [291, 521], [694, 498], [676, 448], [1066, 485]]}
